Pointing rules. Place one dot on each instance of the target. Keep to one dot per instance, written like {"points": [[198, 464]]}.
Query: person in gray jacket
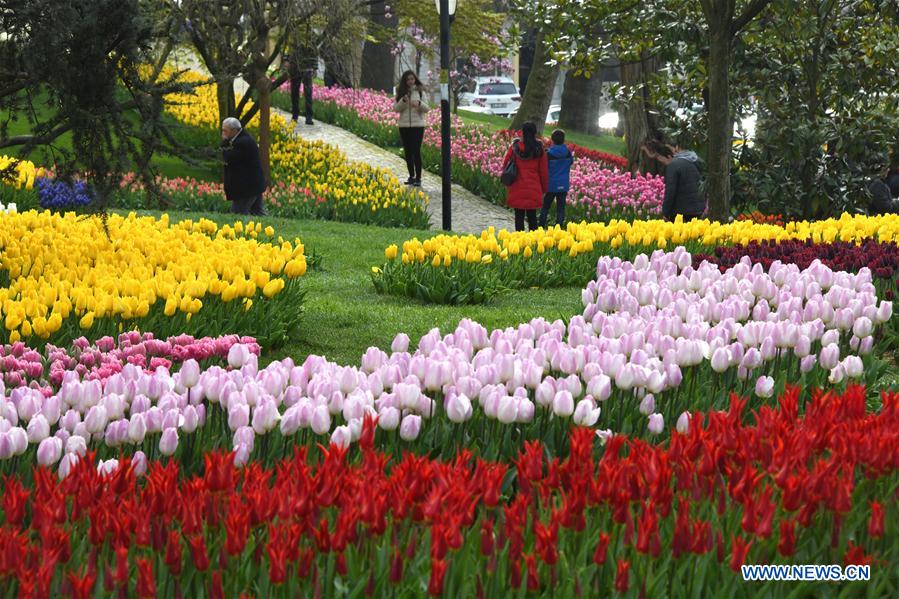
{"points": [[682, 180]]}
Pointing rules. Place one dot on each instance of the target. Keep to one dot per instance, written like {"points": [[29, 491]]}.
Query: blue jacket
{"points": [[560, 161]]}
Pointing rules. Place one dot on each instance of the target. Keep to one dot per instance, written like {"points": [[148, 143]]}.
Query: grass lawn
{"points": [[603, 143], [343, 315]]}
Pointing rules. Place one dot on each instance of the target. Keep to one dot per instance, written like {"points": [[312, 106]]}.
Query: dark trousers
{"points": [[248, 206], [412, 138], [306, 79], [559, 197], [519, 218]]}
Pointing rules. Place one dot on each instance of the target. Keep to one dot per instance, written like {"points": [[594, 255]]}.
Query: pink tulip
{"points": [[410, 427], [168, 443], [49, 451]]}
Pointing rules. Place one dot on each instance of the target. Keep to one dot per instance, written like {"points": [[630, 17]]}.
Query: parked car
{"points": [[491, 95], [552, 115], [608, 121]]}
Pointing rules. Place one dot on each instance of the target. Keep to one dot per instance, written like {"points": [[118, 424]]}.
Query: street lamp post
{"points": [[447, 10]]}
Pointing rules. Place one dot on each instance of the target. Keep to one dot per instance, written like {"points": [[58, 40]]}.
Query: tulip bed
{"points": [[601, 453], [16, 173], [62, 274], [310, 179], [679, 517], [656, 340], [460, 269], [600, 186], [314, 179]]}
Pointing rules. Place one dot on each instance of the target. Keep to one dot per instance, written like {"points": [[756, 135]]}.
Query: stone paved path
{"points": [[470, 213]]}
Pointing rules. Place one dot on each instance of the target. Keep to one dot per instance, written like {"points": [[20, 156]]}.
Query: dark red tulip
{"points": [[438, 571], [146, 582], [739, 551], [876, 523], [786, 546], [622, 581], [599, 556], [173, 553]]}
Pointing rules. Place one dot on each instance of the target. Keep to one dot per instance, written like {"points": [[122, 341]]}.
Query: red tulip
{"points": [[648, 532], [514, 573], [370, 586], [237, 526], [876, 523], [340, 564], [83, 586], [438, 571], [546, 541], [621, 576], [198, 552], [216, 590], [277, 559], [15, 498], [787, 544], [855, 555], [487, 536], [146, 582], [739, 551], [306, 559], [599, 556], [396, 567], [533, 579], [121, 574], [173, 553]]}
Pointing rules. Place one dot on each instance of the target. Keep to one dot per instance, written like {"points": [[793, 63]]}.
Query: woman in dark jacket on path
{"points": [[525, 195]]}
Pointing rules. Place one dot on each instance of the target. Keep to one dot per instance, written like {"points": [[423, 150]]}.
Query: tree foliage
{"points": [[79, 67], [820, 75], [823, 77]]}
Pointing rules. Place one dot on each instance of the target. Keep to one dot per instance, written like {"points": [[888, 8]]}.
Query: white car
{"points": [[552, 115], [607, 121], [491, 95]]}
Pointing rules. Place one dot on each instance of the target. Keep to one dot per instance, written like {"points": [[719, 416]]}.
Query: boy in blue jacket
{"points": [[560, 161]]}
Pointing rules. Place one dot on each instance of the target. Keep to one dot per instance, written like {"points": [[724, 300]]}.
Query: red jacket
{"points": [[531, 183]]}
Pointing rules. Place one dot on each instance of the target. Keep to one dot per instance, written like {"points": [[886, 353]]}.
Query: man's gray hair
{"points": [[232, 123]]}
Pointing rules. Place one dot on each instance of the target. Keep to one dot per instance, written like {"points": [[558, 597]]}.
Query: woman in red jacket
{"points": [[525, 195]]}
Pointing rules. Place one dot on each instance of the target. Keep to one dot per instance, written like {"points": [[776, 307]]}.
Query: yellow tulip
{"points": [[87, 321]]}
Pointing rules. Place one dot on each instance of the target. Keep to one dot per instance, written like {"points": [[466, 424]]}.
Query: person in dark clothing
{"points": [[682, 180], [560, 160], [525, 194], [412, 108], [892, 181], [244, 179], [301, 63], [882, 201]]}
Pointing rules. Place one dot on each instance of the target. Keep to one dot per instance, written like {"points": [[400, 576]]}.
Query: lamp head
{"points": [[451, 4]]}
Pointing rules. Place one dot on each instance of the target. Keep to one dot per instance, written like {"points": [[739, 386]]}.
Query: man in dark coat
{"points": [[301, 62], [683, 180], [244, 179], [881, 200]]}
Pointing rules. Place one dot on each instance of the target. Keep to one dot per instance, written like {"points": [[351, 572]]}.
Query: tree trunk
{"points": [[580, 102], [638, 123], [539, 91], [263, 86], [377, 60], [225, 92], [720, 122]]}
